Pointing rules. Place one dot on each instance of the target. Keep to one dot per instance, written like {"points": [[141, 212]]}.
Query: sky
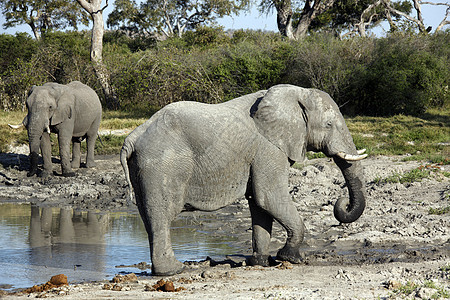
{"points": [[432, 15]]}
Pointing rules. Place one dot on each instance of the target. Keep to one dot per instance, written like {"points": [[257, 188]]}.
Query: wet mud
{"points": [[397, 227]]}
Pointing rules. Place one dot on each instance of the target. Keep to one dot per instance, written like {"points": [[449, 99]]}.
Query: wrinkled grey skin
{"points": [[73, 111], [193, 156]]}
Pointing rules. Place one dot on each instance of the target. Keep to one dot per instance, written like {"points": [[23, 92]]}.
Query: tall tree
{"points": [[356, 16], [169, 17], [42, 15], [418, 20], [95, 10], [298, 28]]}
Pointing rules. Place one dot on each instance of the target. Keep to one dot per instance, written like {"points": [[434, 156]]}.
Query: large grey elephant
{"points": [[74, 112], [194, 156]]}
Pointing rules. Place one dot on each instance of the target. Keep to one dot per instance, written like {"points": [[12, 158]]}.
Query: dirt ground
{"points": [[396, 243]]}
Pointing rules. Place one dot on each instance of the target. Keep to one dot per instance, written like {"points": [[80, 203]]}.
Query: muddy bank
{"points": [[395, 241]]}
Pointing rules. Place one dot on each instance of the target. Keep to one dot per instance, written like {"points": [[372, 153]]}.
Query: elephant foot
{"points": [[31, 173], [45, 174], [90, 164], [75, 165], [261, 260], [168, 269], [290, 254], [68, 174]]}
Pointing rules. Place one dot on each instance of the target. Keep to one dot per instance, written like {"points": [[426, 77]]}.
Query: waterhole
{"points": [[39, 242]]}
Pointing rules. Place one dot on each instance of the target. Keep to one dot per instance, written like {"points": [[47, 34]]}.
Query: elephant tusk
{"points": [[351, 157], [361, 151], [47, 129], [15, 126]]}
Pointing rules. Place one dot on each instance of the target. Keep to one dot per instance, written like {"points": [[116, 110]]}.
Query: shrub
{"points": [[59, 57], [405, 76], [245, 68]]}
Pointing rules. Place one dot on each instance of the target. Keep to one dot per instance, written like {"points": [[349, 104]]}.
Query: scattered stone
{"points": [[125, 278], [112, 287], [425, 293], [163, 286], [285, 265], [54, 282], [393, 284]]}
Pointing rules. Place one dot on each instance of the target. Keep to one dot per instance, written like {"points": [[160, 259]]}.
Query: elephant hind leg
{"points": [[261, 232], [90, 145], [157, 214]]}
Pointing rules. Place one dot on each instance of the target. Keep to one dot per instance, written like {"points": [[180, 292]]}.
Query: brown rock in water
{"points": [[59, 280], [54, 282]]}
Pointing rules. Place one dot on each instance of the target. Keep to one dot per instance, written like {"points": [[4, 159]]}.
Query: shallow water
{"points": [[39, 242]]}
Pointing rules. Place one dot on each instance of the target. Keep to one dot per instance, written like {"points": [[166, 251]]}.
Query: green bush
{"points": [[59, 57], [398, 74], [14, 49], [245, 68], [328, 64], [405, 76]]}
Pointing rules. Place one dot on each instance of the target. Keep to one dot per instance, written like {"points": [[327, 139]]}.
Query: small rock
{"points": [[425, 293], [393, 284], [125, 278], [163, 286]]}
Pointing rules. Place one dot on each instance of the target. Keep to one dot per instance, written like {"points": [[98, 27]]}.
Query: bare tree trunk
{"points": [[96, 12], [309, 13], [284, 18], [365, 19]]}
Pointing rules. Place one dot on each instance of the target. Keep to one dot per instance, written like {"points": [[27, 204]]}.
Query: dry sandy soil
{"points": [[396, 241]]}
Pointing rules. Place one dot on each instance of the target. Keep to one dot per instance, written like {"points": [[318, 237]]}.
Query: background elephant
{"points": [[73, 111], [205, 156]]}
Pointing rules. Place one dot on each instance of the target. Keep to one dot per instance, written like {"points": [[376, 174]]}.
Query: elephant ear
{"points": [[64, 101], [280, 116]]}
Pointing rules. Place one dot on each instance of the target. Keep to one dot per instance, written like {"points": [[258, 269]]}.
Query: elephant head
{"points": [[297, 120], [47, 106]]}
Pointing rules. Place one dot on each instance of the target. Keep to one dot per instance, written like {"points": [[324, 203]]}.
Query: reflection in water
{"points": [[66, 240], [39, 242]]}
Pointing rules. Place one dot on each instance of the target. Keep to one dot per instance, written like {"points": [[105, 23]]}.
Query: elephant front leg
{"points": [[64, 152], [46, 150], [270, 180], [261, 233], [76, 152]]}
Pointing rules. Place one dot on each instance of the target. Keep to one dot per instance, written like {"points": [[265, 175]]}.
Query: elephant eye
{"points": [[329, 124]]}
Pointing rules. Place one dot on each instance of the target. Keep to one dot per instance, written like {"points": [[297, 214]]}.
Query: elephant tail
{"points": [[125, 154]]}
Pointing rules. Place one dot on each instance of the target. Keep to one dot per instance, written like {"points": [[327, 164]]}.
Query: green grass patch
{"points": [[9, 136], [426, 138], [411, 288], [445, 269], [415, 175], [111, 144], [123, 119], [439, 211], [442, 211]]}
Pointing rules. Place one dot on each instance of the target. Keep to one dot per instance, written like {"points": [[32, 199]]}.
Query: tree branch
{"points": [[86, 5], [444, 21], [388, 6]]}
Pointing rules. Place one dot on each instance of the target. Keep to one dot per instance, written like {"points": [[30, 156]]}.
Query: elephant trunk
{"points": [[34, 141], [35, 129], [349, 210]]}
